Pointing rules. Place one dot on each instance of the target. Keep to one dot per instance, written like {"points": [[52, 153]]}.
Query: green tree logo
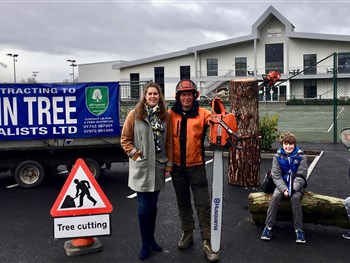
{"points": [[97, 99]]}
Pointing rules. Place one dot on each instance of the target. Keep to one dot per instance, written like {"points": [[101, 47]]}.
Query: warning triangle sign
{"points": [[81, 194]]}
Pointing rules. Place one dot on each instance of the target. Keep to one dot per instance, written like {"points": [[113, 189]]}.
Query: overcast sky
{"points": [[45, 34]]}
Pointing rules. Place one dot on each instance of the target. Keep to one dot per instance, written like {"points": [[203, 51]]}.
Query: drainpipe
{"points": [[335, 98], [255, 58], [195, 64]]}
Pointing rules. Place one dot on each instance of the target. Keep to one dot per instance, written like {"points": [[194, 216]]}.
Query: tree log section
{"points": [[317, 209], [244, 163]]}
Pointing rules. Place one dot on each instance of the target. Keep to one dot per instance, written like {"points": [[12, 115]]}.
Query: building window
{"points": [[310, 89], [283, 93], [344, 62], [274, 58], [159, 77], [310, 64], [212, 67], [185, 72], [241, 66], [135, 86]]}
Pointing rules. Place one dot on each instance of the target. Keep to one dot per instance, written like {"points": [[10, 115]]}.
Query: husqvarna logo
{"points": [[217, 202]]}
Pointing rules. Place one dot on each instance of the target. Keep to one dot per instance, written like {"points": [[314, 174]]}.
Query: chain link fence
{"points": [[313, 103]]}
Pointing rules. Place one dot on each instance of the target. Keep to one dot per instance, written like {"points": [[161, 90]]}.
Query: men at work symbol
{"points": [[83, 187]]}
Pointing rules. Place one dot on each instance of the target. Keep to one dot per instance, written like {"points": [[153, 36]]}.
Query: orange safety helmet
{"points": [[186, 85]]}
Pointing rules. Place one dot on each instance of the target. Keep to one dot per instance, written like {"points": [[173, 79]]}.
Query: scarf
{"points": [[156, 124]]}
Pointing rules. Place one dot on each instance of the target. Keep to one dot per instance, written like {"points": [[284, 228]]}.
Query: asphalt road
{"points": [[26, 226]]}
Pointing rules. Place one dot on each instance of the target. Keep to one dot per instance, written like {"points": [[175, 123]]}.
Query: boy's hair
{"points": [[288, 137]]}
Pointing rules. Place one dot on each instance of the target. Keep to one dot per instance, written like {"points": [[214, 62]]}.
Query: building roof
{"points": [[317, 36], [228, 42], [103, 62], [266, 17], [152, 59]]}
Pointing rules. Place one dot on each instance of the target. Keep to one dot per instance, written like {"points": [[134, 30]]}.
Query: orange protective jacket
{"points": [[189, 132]]}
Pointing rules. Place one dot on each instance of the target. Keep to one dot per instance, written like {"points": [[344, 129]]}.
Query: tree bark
{"points": [[244, 163], [317, 209]]}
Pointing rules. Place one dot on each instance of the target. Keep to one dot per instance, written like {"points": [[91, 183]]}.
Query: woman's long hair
{"points": [[140, 111]]}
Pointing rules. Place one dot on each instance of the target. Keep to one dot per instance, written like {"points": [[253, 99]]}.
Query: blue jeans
{"points": [[147, 202]]}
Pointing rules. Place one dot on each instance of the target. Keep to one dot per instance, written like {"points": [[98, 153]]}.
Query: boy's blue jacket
{"points": [[291, 163], [284, 165]]}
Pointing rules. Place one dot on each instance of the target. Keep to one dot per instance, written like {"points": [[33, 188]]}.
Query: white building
{"points": [[100, 71], [272, 45]]}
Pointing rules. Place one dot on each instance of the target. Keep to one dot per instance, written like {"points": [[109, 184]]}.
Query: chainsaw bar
{"points": [[217, 200]]}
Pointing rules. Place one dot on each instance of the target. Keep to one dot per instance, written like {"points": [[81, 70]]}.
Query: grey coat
{"points": [[145, 174]]}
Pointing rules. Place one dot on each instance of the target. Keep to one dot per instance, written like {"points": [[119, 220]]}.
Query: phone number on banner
{"points": [[98, 130]]}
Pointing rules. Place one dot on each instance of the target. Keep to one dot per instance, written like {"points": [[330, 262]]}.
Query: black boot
{"points": [[145, 235], [153, 243]]}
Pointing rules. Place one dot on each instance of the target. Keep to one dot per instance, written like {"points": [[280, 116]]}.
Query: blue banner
{"points": [[43, 111]]}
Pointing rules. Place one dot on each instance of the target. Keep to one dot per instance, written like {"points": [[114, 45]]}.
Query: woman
{"points": [[147, 140]]}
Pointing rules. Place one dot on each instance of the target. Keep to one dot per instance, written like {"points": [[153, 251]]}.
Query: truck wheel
{"points": [[29, 174], [94, 167]]}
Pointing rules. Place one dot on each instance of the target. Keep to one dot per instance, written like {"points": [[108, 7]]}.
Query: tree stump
{"points": [[244, 163], [317, 209]]}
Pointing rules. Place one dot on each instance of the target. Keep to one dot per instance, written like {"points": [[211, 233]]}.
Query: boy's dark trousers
{"points": [[295, 201]]}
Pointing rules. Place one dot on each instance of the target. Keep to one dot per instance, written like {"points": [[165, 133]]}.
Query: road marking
{"points": [[12, 186], [62, 172], [132, 195]]}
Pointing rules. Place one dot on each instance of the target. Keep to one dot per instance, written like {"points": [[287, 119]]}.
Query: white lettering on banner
{"points": [[57, 110], [44, 105], [34, 90], [37, 130], [70, 90], [30, 108], [23, 131], [70, 110], [44, 110], [7, 111], [64, 130]]}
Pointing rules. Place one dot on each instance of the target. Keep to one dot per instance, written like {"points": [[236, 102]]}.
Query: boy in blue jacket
{"points": [[289, 172], [347, 208]]}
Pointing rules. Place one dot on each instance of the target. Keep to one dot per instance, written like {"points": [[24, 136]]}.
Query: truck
{"points": [[45, 125]]}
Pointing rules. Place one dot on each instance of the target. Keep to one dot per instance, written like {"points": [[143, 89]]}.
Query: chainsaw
{"points": [[222, 135]]}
